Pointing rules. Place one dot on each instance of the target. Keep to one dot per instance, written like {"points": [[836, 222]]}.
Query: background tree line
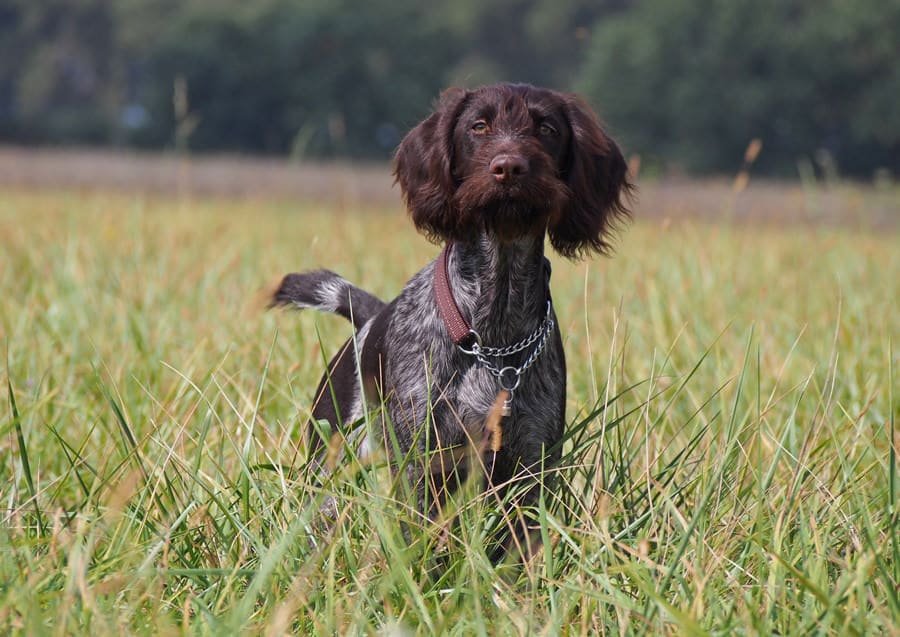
{"points": [[684, 83]]}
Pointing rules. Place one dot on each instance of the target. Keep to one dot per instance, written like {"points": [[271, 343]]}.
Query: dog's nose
{"points": [[508, 167]]}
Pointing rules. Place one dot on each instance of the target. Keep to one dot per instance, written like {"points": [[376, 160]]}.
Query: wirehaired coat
{"points": [[491, 173]]}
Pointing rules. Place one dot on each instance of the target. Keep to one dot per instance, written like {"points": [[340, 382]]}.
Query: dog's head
{"points": [[514, 160]]}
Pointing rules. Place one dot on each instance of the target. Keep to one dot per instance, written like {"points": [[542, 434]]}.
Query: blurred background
{"points": [[685, 85]]}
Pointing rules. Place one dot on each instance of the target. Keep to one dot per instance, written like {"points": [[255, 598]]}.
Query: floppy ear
{"points": [[597, 175], [423, 166]]}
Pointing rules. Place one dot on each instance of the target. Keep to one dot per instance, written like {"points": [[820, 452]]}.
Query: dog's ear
{"points": [[423, 166], [597, 175]]}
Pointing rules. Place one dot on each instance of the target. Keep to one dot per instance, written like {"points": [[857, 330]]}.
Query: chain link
{"points": [[509, 350], [482, 353]]}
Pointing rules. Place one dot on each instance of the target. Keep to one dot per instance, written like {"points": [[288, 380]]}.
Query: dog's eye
{"points": [[547, 129], [480, 127]]}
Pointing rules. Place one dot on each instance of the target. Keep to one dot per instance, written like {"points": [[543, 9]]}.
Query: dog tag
{"points": [[506, 409]]}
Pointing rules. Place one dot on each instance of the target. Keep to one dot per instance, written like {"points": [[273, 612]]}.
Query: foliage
{"points": [[532, 41], [731, 466], [692, 83], [688, 84], [320, 78], [56, 71]]}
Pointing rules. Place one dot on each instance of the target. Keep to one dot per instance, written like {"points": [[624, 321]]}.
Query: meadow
{"points": [[733, 398]]}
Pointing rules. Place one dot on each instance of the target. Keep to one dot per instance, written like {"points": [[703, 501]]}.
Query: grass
{"points": [[731, 465]]}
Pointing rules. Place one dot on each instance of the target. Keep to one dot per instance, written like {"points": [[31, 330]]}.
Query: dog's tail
{"points": [[325, 291]]}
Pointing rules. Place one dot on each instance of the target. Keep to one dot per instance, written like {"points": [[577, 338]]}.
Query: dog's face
{"points": [[514, 160]]}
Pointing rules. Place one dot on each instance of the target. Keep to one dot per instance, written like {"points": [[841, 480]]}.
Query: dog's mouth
{"points": [[512, 191], [510, 208]]}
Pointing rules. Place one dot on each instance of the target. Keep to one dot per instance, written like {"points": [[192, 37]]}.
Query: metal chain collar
{"points": [[509, 377]]}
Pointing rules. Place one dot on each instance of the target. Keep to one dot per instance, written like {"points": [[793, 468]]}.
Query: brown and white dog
{"points": [[491, 173]]}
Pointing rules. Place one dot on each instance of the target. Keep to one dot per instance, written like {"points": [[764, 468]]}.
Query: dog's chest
{"points": [[475, 394], [478, 389]]}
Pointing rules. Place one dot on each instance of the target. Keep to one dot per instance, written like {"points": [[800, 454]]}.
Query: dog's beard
{"points": [[510, 211]]}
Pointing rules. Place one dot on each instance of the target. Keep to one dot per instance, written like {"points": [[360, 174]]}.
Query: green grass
{"points": [[732, 402]]}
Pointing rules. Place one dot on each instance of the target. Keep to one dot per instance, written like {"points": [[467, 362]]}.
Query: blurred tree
{"points": [[537, 41], [688, 83], [57, 71], [314, 78]]}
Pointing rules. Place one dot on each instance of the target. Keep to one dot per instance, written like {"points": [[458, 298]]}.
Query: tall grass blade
{"points": [[23, 456]]}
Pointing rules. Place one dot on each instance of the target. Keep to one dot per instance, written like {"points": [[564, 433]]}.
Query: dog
{"points": [[469, 354]]}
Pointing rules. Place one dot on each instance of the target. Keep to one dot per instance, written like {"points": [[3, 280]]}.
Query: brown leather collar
{"points": [[458, 327], [454, 321]]}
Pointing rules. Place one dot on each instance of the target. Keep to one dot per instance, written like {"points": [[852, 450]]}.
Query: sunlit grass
{"points": [[732, 400]]}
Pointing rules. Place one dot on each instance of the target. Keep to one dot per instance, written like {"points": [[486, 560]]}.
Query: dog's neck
{"points": [[501, 287]]}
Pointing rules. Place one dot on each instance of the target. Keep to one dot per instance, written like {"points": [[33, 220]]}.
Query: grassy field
{"points": [[733, 400]]}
